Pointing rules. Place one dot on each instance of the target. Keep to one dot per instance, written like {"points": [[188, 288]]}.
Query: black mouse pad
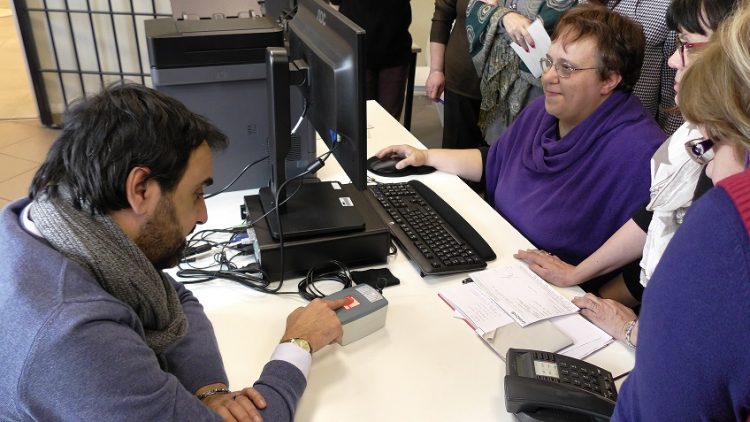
{"points": [[407, 171]]}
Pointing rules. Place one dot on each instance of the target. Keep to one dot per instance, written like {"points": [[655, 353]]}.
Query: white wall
{"points": [[421, 19]]}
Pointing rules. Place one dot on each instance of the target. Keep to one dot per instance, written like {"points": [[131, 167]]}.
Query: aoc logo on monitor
{"points": [[321, 16]]}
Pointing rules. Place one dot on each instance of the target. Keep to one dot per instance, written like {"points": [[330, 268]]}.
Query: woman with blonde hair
{"points": [[692, 363]]}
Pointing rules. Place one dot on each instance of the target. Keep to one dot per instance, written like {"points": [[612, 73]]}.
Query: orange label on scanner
{"points": [[352, 303]]}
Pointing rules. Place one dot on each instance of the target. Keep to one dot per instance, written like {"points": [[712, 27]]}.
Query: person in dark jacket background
{"points": [[388, 47]]}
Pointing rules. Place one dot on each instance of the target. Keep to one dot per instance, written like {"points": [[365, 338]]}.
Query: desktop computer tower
{"points": [[216, 67], [368, 246]]}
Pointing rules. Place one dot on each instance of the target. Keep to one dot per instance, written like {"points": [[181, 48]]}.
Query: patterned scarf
{"points": [[674, 176], [99, 245], [505, 82], [496, 63]]}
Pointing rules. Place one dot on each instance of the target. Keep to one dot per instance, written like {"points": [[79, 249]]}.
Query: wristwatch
{"points": [[301, 343]]}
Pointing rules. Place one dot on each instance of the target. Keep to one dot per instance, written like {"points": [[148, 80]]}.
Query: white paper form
{"points": [[542, 43], [587, 337], [480, 311], [522, 294]]}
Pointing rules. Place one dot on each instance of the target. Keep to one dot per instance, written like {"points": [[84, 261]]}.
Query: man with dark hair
{"points": [[94, 330]]}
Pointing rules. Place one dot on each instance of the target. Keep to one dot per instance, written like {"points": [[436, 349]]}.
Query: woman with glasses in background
{"points": [[692, 361], [678, 177], [654, 87], [573, 166]]}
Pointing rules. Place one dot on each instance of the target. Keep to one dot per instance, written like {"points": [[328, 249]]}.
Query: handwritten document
{"points": [[523, 295], [481, 312]]}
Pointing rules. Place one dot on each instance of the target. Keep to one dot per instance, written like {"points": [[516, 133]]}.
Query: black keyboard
{"points": [[418, 219]]}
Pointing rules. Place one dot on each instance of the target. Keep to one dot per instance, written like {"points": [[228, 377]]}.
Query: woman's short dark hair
{"points": [[104, 137], [715, 90], [697, 15], [619, 39]]}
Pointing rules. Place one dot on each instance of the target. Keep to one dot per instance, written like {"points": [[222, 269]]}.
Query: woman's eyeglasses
{"points": [[682, 46], [564, 70], [700, 150]]}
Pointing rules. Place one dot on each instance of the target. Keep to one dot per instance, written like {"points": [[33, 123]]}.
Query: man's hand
{"points": [[240, 406], [317, 323], [549, 267]]}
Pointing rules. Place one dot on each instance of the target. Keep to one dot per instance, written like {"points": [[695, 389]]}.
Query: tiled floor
{"points": [[24, 141]]}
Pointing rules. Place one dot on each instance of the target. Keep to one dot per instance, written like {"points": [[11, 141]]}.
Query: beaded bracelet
{"points": [[629, 330], [212, 392]]}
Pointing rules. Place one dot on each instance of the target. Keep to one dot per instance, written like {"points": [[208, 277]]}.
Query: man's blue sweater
{"points": [[71, 351]]}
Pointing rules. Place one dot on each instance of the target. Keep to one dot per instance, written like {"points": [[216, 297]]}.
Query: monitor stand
{"points": [[318, 208]]}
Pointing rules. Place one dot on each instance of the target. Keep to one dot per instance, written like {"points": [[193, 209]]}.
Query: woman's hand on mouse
{"points": [[411, 156]]}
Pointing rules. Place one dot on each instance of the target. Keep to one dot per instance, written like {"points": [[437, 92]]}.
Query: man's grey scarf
{"points": [[99, 245]]}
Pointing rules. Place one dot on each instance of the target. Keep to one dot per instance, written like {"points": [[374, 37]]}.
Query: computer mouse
{"points": [[386, 167]]}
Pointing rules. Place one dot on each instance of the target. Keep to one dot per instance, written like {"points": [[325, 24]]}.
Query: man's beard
{"points": [[161, 239]]}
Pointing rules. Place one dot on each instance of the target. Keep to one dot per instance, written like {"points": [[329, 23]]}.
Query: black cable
{"points": [[211, 195], [252, 223], [199, 242], [302, 116], [392, 250], [332, 270], [312, 167], [227, 268], [251, 275]]}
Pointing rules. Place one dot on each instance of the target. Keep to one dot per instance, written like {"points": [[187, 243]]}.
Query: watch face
{"points": [[302, 343]]}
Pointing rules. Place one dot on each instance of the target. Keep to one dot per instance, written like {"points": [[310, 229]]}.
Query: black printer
{"points": [[215, 65], [209, 42]]}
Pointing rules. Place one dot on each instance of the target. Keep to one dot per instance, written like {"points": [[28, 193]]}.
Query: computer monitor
{"points": [[326, 59]]}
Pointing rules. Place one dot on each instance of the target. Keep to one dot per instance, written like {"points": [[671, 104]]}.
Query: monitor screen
{"points": [[325, 61], [332, 48]]}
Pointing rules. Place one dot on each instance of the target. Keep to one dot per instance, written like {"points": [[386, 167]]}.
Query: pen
{"points": [[620, 376]]}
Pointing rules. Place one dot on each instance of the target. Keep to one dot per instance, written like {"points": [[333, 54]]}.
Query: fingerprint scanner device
{"points": [[363, 315]]}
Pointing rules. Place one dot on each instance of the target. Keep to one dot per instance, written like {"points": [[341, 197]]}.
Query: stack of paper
{"points": [[587, 337], [522, 294], [515, 295], [542, 335]]}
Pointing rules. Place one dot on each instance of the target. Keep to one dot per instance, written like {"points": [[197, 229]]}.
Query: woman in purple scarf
{"points": [[574, 166]]}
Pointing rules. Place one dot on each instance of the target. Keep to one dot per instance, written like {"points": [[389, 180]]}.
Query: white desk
{"points": [[424, 365]]}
